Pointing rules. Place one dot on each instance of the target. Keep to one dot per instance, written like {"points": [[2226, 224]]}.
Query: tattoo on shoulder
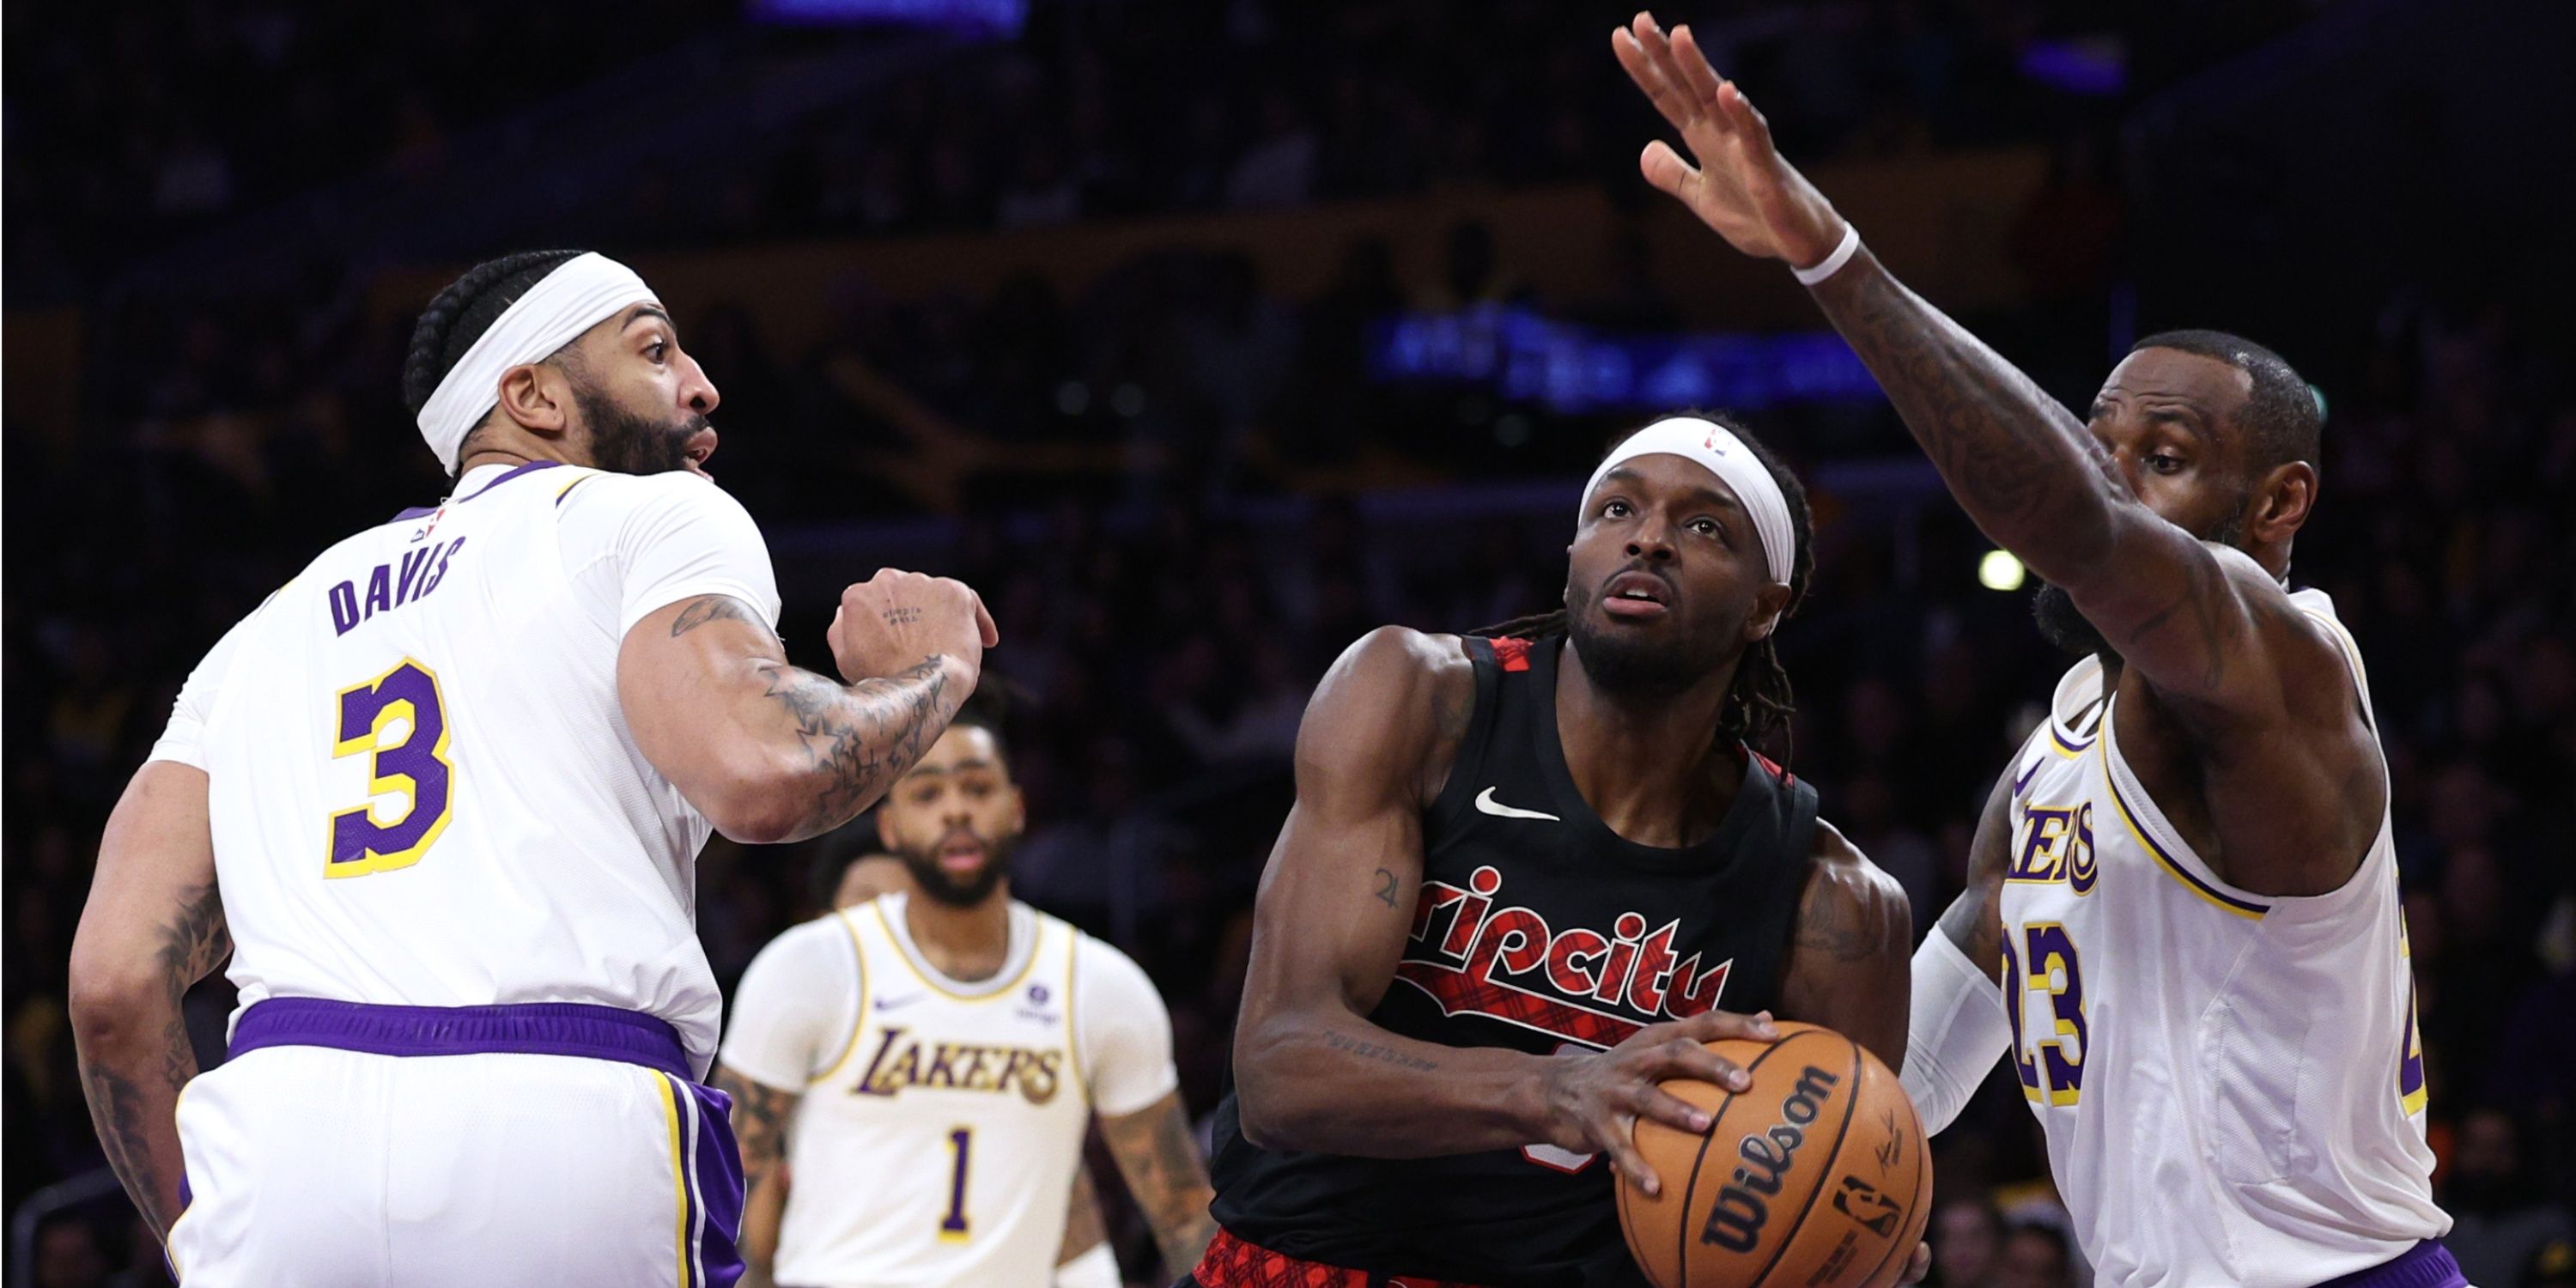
{"points": [[716, 608], [1835, 924], [1386, 887]]}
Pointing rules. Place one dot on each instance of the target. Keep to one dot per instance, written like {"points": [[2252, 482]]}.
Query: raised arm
{"points": [[1159, 1156], [1335, 905], [1847, 957], [154, 926], [771, 752], [2202, 624]]}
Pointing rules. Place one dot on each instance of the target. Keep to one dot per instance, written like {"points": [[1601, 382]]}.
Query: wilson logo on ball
{"points": [[1735, 1221]]}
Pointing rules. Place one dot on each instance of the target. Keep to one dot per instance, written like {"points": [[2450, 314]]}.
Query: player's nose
{"points": [[697, 392], [1651, 539]]}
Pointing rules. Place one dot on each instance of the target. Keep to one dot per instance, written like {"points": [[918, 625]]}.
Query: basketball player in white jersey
{"points": [[441, 798], [928, 1063], [1084, 1260], [2184, 885]]}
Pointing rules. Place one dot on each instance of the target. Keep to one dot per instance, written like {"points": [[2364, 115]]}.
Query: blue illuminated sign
{"points": [[1573, 369]]}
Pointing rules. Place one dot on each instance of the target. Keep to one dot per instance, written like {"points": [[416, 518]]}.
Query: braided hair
{"points": [[461, 314], [1760, 701]]}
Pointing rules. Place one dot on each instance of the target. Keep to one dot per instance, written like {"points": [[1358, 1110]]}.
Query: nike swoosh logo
{"points": [[890, 1003], [1486, 804]]}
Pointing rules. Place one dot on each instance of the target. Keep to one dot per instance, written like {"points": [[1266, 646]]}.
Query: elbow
{"points": [[110, 1001], [753, 802], [1268, 1111]]}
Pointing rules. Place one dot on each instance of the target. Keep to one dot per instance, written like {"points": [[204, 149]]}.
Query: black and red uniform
{"points": [[1538, 929]]}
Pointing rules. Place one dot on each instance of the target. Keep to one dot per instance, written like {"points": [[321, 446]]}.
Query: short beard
{"points": [[625, 443], [1625, 667], [934, 882], [2066, 628]]}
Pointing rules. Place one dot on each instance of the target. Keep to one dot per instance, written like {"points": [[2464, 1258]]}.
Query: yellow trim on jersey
{"points": [[679, 1173], [1073, 1044], [858, 1025], [173, 1231], [585, 476], [2065, 750], [2251, 912], [903, 953]]}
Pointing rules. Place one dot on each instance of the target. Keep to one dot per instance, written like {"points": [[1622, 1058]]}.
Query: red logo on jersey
{"points": [[1576, 984]]}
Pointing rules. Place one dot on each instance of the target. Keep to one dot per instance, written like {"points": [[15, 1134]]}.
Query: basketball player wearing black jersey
{"points": [[1521, 877]]}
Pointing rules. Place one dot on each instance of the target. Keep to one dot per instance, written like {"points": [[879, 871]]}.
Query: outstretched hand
{"points": [[1741, 187]]}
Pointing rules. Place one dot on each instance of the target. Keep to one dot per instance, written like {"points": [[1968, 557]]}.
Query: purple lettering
{"points": [[344, 608]]}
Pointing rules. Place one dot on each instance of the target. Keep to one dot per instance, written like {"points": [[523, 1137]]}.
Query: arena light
{"points": [[2000, 571]]}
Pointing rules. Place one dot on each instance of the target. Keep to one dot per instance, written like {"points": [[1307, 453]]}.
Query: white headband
{"points": [[1712, 445], [585, 291]]}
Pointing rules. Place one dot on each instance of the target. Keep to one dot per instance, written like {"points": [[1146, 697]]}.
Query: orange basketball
{"points": [[1817, 1177]]}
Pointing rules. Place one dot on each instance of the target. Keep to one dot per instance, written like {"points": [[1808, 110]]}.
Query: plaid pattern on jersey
{"points": [[1236, 1263]]}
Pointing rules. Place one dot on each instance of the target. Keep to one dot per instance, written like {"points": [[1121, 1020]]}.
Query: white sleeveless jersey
{"points": [[2230, 1083], [941, 1122], [422, 788]]}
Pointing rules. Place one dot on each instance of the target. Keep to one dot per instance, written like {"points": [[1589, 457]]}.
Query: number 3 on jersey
{"points": [[414, 766], [2055, 1071]]}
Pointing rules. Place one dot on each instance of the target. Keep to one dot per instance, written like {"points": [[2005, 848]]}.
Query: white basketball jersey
{"points": [[2230, 1083], [941, 1122], [422, 787]]}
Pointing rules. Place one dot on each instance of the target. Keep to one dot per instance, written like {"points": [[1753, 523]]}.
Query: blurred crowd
{"points": [[1141, 480]]}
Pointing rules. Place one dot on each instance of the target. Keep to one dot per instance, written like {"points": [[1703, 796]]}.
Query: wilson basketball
{"points": [[1816, 1177]]}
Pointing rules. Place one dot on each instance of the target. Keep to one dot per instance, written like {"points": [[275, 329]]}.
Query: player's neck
{"points": [[965, 944], [1650, 767]]}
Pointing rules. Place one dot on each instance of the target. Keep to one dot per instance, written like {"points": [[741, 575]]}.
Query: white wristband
{"points": [[1833, 263]]}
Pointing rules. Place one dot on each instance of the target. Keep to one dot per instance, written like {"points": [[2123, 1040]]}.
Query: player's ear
{"points": [[885, 830], [1768, 603], [2282, 500], [537, 397]]}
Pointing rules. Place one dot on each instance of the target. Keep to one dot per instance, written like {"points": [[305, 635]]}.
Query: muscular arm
{"points": [[1331, 918], [760, 1114], [767, 751], [1974, 920], [1848, 955], [1083, 1229], [1160, 1159], [2213, 638], [154, 926]]}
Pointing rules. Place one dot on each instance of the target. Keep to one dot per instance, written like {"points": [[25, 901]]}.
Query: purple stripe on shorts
{"points": [[716, 1161], [2426, 1265], [529, 1028]]}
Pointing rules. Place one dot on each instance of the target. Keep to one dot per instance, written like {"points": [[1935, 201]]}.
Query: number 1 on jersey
{"points": [[952, 1228], [417, 767]]}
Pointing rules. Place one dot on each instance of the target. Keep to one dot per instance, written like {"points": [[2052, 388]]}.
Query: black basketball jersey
{"points": [[1538, 928]]}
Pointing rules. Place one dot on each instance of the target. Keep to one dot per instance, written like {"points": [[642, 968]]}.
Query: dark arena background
{"points": [[1202, 336]]}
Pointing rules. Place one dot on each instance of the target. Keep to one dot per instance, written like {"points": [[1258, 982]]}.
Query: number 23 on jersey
{"points": [[399, 721]]}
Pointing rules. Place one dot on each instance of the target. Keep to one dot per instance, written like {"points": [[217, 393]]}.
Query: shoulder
{"points": [[1845, 889], [1394, 690], [807, 951], [1107, 976], [586, 491]]}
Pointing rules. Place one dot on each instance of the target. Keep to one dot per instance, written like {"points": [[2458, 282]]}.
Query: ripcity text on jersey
{"points": [[1540, 929]]}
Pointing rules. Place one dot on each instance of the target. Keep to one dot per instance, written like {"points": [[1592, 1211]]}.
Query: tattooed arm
{"points": [[1329, 925], [760, 1115], [154, 926], [771, 752], [1849, 954], [1160, 1159]]}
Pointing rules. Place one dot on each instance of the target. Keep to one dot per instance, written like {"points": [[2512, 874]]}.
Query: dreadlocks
{"points": [[1760, 701]]}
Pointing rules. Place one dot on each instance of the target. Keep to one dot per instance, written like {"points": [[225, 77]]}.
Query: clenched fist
{"points": [[896, 620]]}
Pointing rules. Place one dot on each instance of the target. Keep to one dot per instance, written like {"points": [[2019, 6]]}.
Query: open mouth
{"points": [[961, 855], [1636, 595], [695, 452]]}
